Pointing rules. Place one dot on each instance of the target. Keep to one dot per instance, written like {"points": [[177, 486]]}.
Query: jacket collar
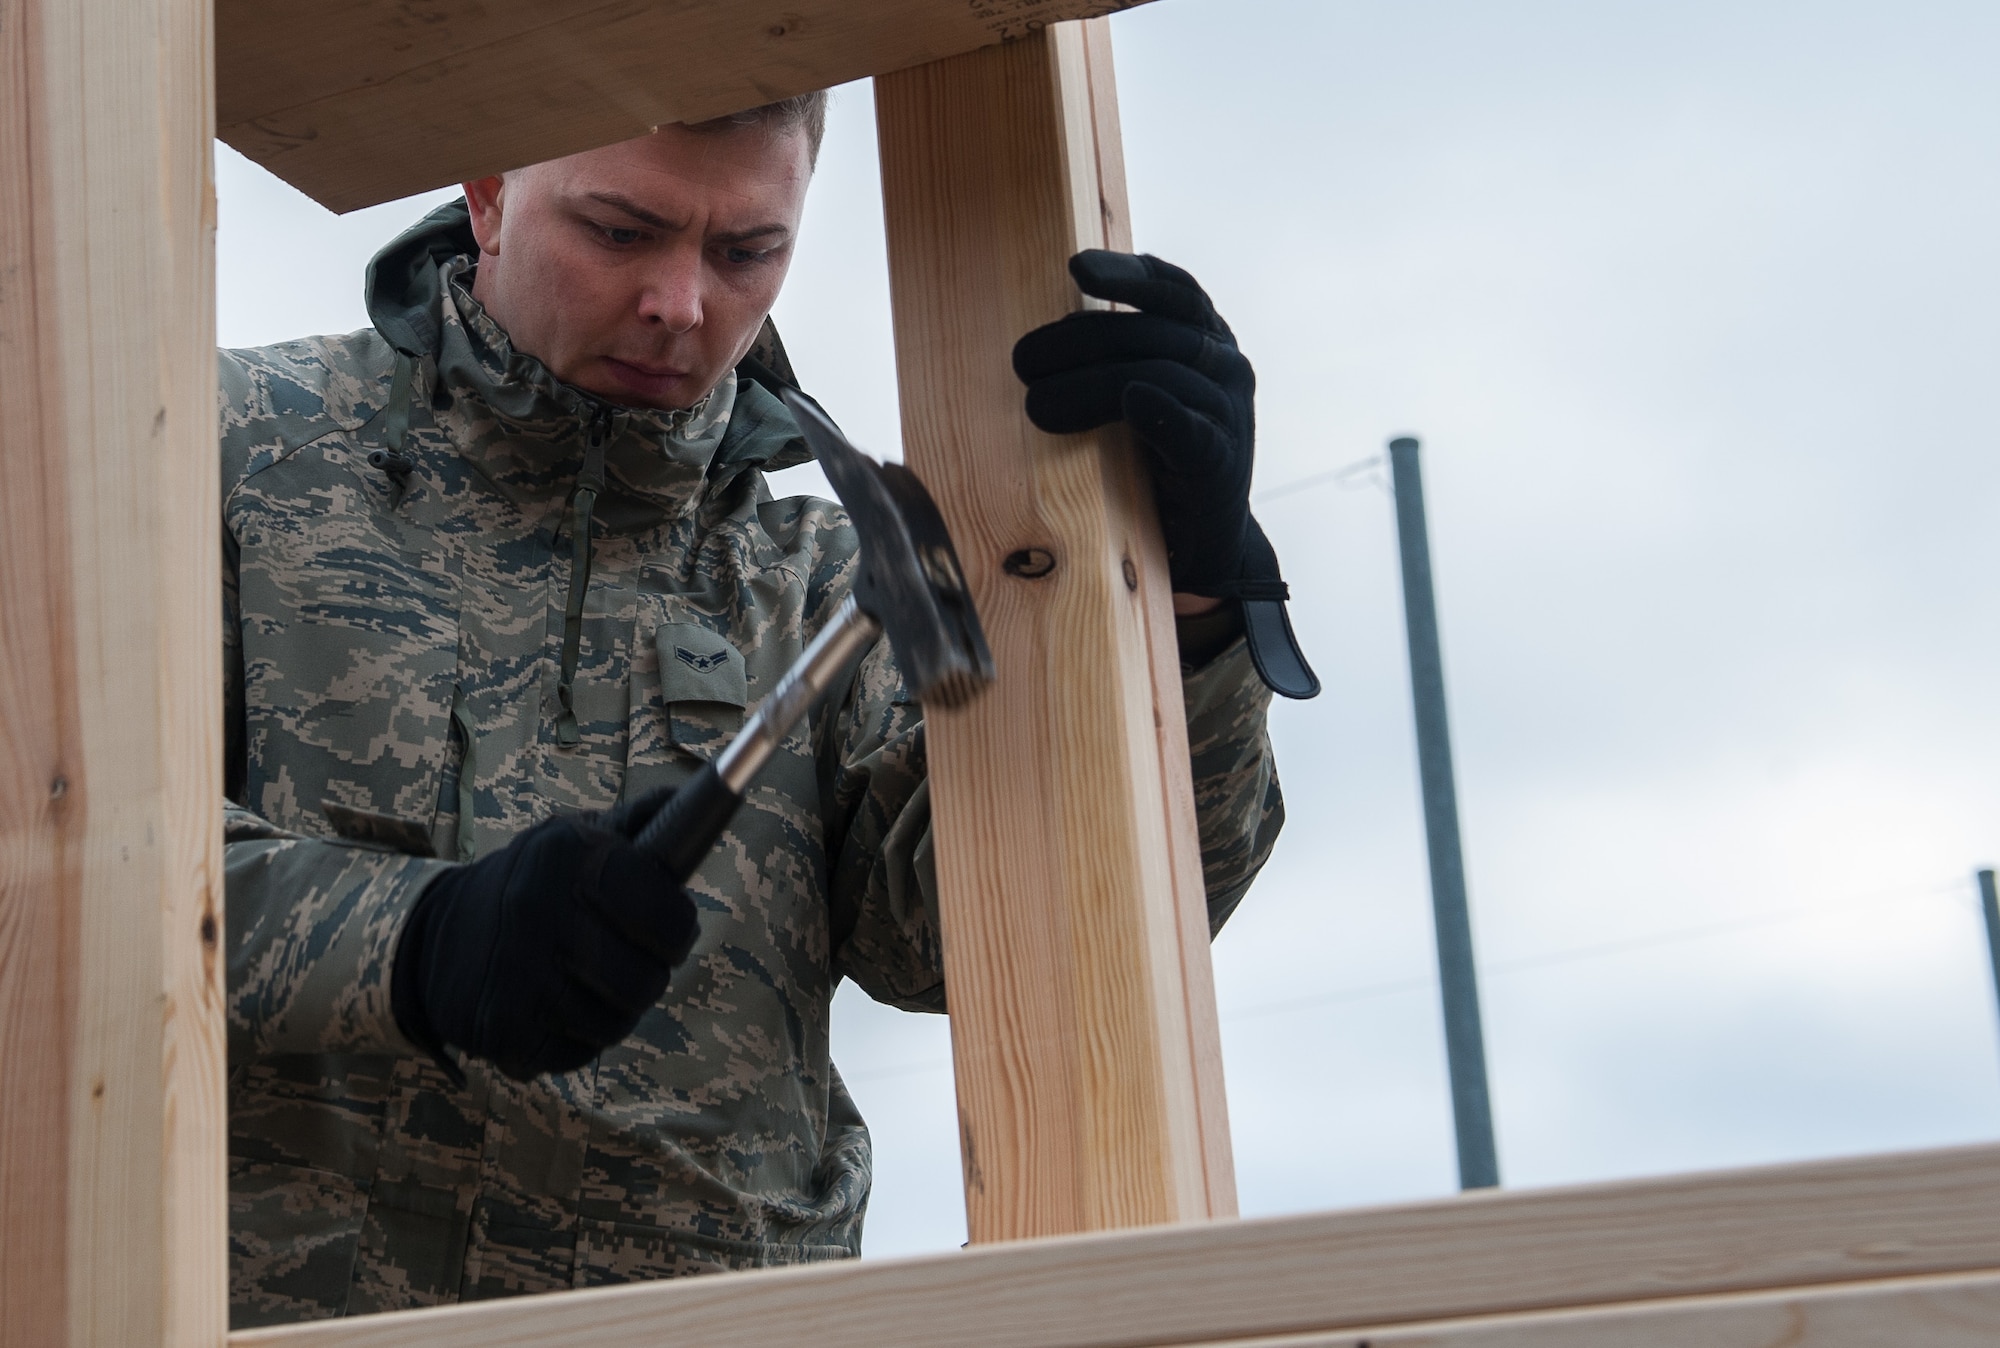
{"points": [[527, 430]]}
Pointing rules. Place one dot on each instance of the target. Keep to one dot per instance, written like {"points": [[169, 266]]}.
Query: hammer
{"points": [[910, 586]]}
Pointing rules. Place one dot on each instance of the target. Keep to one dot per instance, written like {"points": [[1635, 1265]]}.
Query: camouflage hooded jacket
{"points": [[404, 639]]}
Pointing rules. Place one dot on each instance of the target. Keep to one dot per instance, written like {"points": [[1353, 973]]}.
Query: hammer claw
{"points": [[910, 578]]}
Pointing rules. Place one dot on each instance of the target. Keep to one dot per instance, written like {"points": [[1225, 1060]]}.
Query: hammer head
{"points": [[910, 579]]}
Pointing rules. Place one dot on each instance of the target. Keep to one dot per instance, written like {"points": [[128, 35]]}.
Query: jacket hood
{"points": [[407, 294]]}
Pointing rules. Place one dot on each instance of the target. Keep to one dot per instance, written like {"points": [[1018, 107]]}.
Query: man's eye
{"points": [[623, 238], [742, 257]]}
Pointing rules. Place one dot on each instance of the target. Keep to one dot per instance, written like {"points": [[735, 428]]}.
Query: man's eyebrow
{"points": [[745, 235], [619, 202]]}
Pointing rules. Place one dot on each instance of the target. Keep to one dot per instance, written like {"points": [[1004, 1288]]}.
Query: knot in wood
{"points": [[1029, 563]]}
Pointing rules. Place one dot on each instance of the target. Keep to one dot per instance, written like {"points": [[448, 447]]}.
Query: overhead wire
{"points": [[1369, 991], [1343, 474], [1622, 946]]}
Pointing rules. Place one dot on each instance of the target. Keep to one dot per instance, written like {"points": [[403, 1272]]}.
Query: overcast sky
{"points": [[1694, 307]]}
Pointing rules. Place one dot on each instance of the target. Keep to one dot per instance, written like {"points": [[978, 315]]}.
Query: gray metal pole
{"points": [[1989, 902], [1465, 1049]]}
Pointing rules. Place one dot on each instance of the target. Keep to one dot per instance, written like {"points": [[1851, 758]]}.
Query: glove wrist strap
{"points": [[1267, 630]]}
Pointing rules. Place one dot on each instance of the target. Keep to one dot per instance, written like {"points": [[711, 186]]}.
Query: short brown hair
{"points": [[802, 112]]}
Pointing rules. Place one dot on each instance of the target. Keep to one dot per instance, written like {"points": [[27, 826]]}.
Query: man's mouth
{"points": [[646, 380]]}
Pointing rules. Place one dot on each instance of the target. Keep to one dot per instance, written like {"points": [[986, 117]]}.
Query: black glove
{"points": [[1173, 373], [545, 953]]}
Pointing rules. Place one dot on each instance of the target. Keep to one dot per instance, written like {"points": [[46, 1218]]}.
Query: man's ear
{"points": [[482, 198]]}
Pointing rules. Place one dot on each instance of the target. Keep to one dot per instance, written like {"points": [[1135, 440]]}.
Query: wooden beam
{"points": [[1483, 1254], [1075, 935], [1958, 1311], [112, 1186], [362, 102]]}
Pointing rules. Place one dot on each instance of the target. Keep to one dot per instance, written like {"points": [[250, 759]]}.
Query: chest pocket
{"points": [[703, 687]]}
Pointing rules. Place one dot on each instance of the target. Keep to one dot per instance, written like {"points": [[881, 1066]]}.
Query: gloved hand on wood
{"points": [[541, 955], [1172, 371]]}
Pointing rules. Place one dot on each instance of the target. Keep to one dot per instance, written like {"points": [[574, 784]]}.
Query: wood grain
{"points": [[362, 102], [38, 879], [1170, 711], [1958, 1311], [1484, 1254], [111, 1090], [1088, 1074]]}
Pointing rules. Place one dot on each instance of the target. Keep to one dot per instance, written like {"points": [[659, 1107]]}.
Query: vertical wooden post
{"points": [[1076, 937], [112, 1131]]}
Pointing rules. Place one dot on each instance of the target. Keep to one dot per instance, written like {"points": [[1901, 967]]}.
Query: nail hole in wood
{"points": [[1029, 563]]}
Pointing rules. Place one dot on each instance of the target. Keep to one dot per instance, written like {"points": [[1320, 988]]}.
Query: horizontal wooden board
{"points": [[1954, 1311], [1477, 1254], [357, 103]]}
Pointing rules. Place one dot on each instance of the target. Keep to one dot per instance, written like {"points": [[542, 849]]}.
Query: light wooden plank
{"points": [[1956, 1311], [361, 102], [1203, 1028], [1483, 1254], [36, 725], [1076, 950], [111, 1085]]}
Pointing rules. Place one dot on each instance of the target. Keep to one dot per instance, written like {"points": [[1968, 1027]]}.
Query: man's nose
{"points": [[672, 296]]}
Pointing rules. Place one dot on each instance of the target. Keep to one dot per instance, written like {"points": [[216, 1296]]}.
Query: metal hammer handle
{"points": [[682, 833]]}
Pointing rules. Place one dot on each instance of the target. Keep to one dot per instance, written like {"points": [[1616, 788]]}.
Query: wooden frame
{"points": [[364, 102], [1877, 1228], [112, 1117], [1952, 1311], [1084, 1019]]}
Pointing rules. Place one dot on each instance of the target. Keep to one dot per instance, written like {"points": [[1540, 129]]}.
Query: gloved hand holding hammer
{"points": [[538, 956]]}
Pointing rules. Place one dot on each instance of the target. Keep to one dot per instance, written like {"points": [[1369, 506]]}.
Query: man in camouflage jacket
{"points": [[412, 682]]}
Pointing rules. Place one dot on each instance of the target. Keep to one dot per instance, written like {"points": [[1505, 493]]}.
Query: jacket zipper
{"points": [[583, 503]]}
